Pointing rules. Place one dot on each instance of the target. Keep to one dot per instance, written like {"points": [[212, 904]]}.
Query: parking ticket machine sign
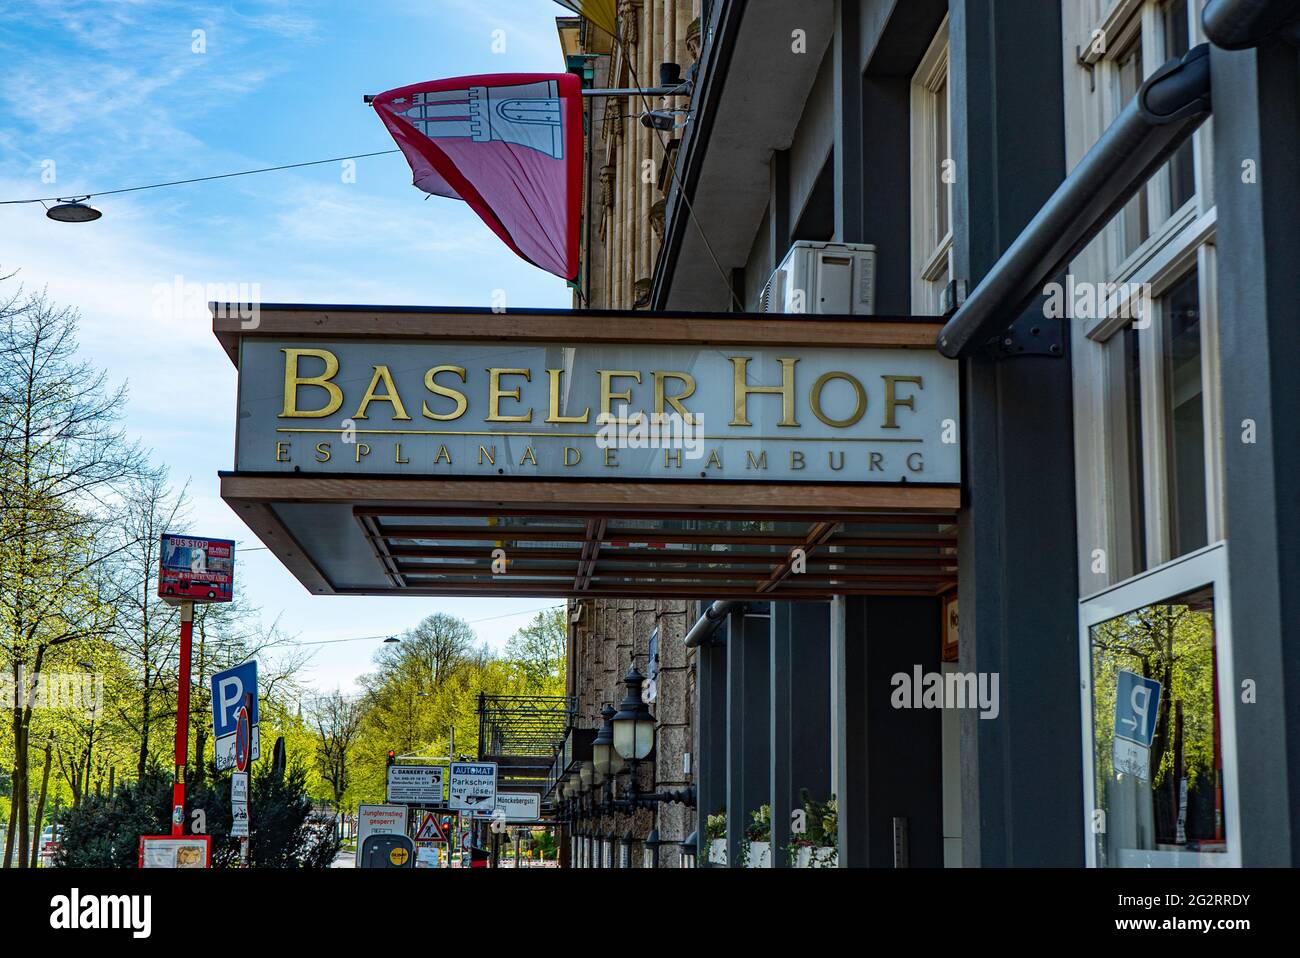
{"points": [[195, 568], [473, 785], [228, 691]]}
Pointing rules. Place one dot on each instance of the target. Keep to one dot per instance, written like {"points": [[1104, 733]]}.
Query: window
{"points": [[1184, 418], [1160, 752], [1134, 221], [932, 179], [1154, 33], [1164, 484], [1148, 425]]}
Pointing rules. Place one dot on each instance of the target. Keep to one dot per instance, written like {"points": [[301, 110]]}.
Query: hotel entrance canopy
{"points": [[400, 450]]}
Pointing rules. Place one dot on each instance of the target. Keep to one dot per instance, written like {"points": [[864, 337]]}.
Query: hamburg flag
{"points": [[509, 145]]}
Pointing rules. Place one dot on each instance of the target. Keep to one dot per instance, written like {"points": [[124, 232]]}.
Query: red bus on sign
{"points": [[201, 570]]}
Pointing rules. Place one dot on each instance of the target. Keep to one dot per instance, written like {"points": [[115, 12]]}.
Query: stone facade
{"points": [[625, 212], [609, 635], [628, 176]]}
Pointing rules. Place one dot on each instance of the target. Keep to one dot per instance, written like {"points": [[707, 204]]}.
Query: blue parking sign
{"points": [[1137, 706], [228, 691]]}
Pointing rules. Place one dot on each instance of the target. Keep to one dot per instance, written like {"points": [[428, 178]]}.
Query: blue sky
{"points": [[112, 94]]}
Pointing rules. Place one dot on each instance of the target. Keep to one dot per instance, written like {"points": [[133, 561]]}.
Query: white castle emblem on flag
{"points": [[527, 114]]}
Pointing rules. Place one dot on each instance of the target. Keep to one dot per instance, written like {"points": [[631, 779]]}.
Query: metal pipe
{"points": [[1241, 24], [708, 623], [1166, 111], [682, 89]]}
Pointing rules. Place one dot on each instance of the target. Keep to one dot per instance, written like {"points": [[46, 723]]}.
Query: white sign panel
{"points": [[598, 411], [426, 856], [378, 820], [473, 785], [416, 784], [515, 807], [239, 805]]}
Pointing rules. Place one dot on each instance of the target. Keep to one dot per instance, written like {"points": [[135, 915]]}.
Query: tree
{"points": [[285, 831], [62, 459], [337, 721], [538, 649]]}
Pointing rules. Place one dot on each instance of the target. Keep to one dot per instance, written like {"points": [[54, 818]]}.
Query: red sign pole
{"points": [[182, 717]]}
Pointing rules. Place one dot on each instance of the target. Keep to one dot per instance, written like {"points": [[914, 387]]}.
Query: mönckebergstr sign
{"points": [[622, 412]]}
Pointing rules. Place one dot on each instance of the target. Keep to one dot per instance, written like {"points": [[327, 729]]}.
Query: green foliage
{"points": [[105, 832], [537, 651], [715, 826]]}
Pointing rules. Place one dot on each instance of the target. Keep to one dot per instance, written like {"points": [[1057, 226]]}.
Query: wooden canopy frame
{"points": [[583, 538]]}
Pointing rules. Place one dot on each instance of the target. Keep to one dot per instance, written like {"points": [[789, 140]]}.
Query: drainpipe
{"points": [[708, 623], [1166, 111], [1241, 24]]}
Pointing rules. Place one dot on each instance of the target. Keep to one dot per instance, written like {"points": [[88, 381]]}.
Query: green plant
{"points": [[759, 828], [715, 826]]}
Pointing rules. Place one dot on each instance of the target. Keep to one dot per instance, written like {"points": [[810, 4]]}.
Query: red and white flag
{"points": [[509, 145]]}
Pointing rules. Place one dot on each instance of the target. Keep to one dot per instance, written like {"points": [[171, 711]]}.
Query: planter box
{"points": [[820, 856], [718, 852], [760, 855]]}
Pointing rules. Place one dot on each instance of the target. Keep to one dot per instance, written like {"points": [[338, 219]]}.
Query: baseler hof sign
{"points": [[619, 412]]}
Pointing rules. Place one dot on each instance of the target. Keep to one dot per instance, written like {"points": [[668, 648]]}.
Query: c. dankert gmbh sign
{"points": [[622, 412]]}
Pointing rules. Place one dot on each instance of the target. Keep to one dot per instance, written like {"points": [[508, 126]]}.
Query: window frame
{"points": [[1142, 20], [932, 254], [1205, 566], [1185, 240]]}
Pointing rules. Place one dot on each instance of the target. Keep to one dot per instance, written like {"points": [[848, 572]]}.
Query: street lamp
{"points": [[689, 849], [606, 761], [634, 726], [652, 844]]}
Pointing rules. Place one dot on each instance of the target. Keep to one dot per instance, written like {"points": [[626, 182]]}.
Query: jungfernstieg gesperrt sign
{"points": [[622, 412]]}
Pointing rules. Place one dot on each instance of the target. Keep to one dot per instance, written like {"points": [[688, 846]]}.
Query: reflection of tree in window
{"points": [[1173, 643]]}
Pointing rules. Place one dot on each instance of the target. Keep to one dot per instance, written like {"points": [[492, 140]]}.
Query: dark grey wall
{"points": [[904, 746], [1256, 95], [800, 713], [1021, 773], [749, 750]]}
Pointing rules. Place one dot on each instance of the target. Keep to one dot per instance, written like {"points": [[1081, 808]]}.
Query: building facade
{"points": [[1121, 618]]}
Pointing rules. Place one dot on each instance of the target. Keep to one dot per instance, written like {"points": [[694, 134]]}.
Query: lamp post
{"points": [[689, 847], [652, 844], [634, 726]]}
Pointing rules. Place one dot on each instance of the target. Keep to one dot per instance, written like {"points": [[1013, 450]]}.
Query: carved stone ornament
{"points": [[629, 20], [657, 218], [693, 39], [607, 174], [612, 124]]}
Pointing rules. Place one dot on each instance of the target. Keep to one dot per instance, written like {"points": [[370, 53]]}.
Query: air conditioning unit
{"points": [[823, 278]]}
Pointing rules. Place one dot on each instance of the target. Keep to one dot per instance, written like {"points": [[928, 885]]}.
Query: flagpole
{"points": [[683, 89]]}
